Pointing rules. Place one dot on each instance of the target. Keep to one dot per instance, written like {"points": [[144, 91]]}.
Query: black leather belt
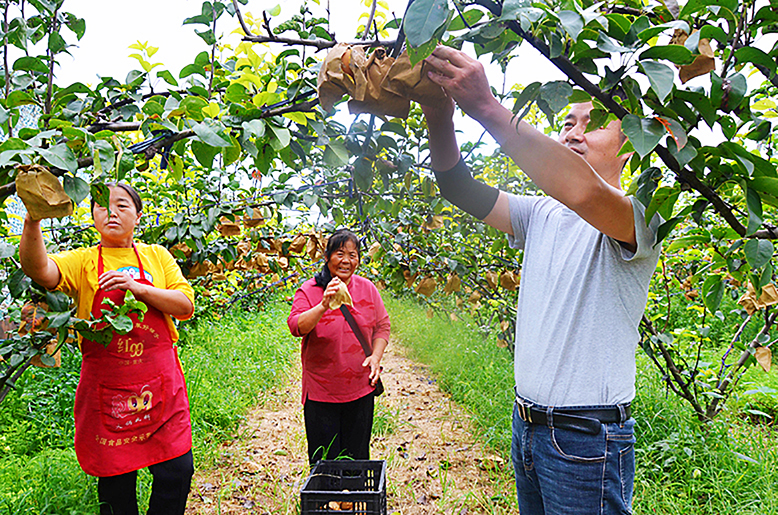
{"points": [[585, 420]]}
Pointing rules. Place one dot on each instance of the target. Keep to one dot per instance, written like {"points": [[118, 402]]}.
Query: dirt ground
{"points": [[434, 465]]}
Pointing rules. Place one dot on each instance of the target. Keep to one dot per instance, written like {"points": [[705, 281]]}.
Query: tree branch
{"points": [[319, 44], [243, 25], [575, 75]]}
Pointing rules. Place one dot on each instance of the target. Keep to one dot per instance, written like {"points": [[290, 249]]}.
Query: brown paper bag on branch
{"points": [[412, 82], [751, 304], [369, 96], [333, 81], [702, 64], [42, 193], [348, 70]]}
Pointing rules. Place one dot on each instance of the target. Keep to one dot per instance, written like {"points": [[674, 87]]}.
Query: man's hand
{"points": [[464, 79]]}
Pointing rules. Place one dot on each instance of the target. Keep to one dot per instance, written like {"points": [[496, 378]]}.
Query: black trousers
{"points": [[169, 490], [336, 429]]}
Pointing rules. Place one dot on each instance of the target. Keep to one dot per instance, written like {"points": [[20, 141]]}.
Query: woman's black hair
{"points": [[338, 239], [130, 191]]}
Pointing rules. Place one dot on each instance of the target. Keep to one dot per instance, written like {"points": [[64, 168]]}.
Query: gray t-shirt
{"points": [[581, 298]]}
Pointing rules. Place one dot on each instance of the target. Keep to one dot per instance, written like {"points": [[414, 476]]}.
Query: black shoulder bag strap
{"points": [[379, 386]]}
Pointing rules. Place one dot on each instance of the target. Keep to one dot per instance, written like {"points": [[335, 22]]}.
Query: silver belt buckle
{"points": [[524, 409]]}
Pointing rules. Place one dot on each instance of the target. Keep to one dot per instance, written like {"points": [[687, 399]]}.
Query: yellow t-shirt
{"points": [[79, 274]]}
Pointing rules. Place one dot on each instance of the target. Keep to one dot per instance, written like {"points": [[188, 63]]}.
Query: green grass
{"points": [[228, 365], [476, 372], [726, 467]]}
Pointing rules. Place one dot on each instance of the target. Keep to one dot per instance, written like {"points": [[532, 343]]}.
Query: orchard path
{"points": [[434, 465]]}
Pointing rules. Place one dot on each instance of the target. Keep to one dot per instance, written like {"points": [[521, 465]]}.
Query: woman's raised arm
{"points": [[36, 263]]}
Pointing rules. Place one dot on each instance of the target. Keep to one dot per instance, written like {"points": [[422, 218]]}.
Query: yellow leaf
{"points": [[212, 110], [764, 357], [430, 313], [763, 105], [297, 118]]}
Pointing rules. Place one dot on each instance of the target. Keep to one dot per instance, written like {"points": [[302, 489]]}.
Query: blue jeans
{"points": [[565, 472]]}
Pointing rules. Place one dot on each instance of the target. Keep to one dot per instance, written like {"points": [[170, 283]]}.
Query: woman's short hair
{"points": [[130, 191]]}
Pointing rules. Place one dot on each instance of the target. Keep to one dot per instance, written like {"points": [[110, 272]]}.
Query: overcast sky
{"points": [[110, 31]]}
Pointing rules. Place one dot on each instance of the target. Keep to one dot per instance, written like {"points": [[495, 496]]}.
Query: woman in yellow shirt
{"points": [[131, 408]]}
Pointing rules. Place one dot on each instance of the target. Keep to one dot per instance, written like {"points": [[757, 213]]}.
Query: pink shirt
{"points": [[331, 354]]}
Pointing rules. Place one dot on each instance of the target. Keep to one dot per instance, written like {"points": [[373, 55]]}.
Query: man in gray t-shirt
{"points": [[588, 258]]}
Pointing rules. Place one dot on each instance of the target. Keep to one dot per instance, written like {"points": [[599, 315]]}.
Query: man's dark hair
{"points": [[130, 191], [338, 239]]}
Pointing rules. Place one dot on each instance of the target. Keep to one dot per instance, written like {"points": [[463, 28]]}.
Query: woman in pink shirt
{"points": [[338, 380]]}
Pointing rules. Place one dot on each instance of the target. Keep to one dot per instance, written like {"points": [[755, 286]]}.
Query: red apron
{"points": [[131, 406]]}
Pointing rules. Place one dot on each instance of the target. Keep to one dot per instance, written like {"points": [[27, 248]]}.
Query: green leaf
{"points": [[644, 186], [528, 94], [683, 156], [713, 292], [32, 64], [363, 173], [254, 127], [204, 153], [101, 194], [167, 77], [471, 17], [643, 133], [423, 19], [210, 136], [660, 76], [76, 188], [663, 202], [59, 156], [758, 252], [677, 54], [207, 36], [58, 301], [754, 55], [336, 154], [18, 284], [78, 26], [122, 324], [275, 11], [418, 54], [664, 229], [6, 250], [57, 320], [556, 94], [572, 22], [282, 137], [56, 43], [754, 204], [737, 91]]}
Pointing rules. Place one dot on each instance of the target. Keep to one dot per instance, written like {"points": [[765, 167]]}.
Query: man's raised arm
{"points": [[564, 172]]}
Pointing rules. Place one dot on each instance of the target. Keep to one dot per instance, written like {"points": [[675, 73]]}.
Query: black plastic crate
{"points": [[345, 486]]}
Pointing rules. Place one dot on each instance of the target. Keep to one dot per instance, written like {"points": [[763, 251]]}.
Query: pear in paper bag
{"points": [[342, 296], [369, 96], [333, 82], [412, 82], [42, 193]]}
